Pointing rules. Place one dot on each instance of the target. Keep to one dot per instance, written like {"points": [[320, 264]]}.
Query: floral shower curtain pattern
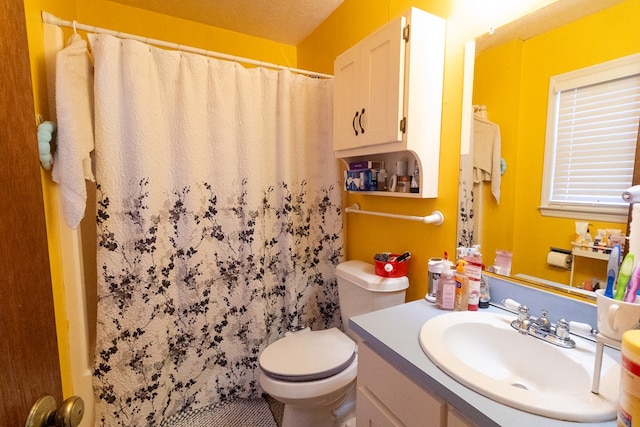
{"points": [[219, 225]]}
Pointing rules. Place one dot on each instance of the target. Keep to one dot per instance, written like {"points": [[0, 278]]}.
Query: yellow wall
{"points": [[513, 81], [350, 23], [366, 236], [497, 85]]}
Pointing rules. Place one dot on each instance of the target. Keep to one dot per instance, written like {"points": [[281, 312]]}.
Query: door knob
{"points": [[45, 413]]}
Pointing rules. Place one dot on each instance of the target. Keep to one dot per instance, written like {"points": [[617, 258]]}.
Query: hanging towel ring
{"points": [[75, 30]]}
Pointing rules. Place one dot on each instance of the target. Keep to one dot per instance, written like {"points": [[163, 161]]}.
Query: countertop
{"points": [[393, 333]]}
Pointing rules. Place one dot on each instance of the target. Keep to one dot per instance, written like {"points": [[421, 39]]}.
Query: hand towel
{"points": [[486, 154], [74, 109]]}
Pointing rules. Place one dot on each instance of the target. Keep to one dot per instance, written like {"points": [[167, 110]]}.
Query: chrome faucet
{"points": [[542, 324], [542, 328]]}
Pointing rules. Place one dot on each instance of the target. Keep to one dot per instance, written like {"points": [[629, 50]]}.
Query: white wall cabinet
{"points": [[387, 397], [369, 89], [388, 96]]}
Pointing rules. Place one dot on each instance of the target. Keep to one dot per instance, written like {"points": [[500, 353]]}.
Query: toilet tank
{"points": [[361, 290]]}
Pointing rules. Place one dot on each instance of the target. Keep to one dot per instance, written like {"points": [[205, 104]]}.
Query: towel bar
{"points": [[436, 217]]}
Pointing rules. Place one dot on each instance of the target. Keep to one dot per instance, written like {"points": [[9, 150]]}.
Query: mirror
{"points": [[511, 77]]}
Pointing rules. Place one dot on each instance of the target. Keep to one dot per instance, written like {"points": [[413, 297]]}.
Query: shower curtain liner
{"points": [[219, 225]]}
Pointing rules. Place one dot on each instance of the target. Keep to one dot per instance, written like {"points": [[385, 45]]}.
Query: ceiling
{"points": [[554, 15], [284, 21]]}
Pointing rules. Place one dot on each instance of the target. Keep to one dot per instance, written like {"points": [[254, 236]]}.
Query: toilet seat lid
{"points": [[308, 355]]}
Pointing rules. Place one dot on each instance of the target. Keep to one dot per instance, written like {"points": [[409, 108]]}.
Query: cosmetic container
{"points": [[462, 287], [446, 293]]}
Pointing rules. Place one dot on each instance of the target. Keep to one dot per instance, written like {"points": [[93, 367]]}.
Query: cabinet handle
{"points": [[360, 121], [353, 123]]}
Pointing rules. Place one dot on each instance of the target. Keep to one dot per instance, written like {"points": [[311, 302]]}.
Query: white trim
{"points": [[467, 95], [590, 214], [610, 70]]}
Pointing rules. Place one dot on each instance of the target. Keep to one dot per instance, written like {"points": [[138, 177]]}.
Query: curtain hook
{"points": [[75, 30]]}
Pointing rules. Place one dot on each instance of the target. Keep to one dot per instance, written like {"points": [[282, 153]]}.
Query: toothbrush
{"points": [[623, 277], [612, 270], [633, 287]]}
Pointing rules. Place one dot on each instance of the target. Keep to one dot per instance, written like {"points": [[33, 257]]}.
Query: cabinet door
{"points": [[371, 412], [387, 394], [369, 90], [455, 419], [382, 74], [346, 105]]}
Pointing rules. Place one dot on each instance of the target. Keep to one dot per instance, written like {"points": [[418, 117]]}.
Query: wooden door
{"points": [[29, 365]]}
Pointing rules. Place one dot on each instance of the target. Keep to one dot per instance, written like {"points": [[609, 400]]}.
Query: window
{"points": [[592, 129]]}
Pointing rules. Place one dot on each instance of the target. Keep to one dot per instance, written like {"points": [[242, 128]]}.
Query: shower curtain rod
{"points": [[48, 18], [436, 217]]}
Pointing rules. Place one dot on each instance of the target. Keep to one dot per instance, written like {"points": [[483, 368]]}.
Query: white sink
{"points": [[482, 351]]}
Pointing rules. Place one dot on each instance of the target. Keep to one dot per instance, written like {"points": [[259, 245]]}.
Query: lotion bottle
{"points": [[446, 293], [462, 287]]}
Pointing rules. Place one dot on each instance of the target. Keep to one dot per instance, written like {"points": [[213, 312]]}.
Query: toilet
{"points": [[313, 372]]}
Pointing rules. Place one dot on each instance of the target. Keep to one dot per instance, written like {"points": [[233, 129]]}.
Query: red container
{"points": [[391, 268]]}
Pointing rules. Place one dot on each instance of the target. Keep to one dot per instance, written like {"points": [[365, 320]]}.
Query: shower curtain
{"points": [[219, 225]]}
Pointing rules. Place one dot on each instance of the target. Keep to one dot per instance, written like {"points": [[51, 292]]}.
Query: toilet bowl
{"points": [[311, 372], [314, 372]]}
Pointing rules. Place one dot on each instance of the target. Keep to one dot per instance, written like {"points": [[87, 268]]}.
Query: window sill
{"points": [[604, 214]]}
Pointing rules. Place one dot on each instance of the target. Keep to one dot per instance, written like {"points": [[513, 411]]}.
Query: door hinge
{"points": [[403, 125], [405, 33]]}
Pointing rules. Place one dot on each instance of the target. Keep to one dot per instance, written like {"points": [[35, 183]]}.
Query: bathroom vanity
{"points": [[399, 385]]}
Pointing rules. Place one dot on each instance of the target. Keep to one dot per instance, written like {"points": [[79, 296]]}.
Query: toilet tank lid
{"points": [[363, 274]]}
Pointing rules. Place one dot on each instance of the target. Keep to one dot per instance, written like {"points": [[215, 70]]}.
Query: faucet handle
{"points": [[511, 304], [562, 329], [543, 321], [582, 328], [523, 313]]}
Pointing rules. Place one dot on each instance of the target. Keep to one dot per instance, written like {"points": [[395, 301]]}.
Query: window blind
{"points": [[595, 140]]}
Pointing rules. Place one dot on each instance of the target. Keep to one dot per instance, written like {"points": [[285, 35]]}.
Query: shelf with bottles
{"points": [[589, 250], [362, 173]]}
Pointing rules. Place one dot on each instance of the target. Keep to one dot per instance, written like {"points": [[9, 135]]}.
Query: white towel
{"points": [[486, 154], [74, 109]]}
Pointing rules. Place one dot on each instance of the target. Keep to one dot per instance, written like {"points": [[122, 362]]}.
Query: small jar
{"points": [[404, 184], [629, 399]]}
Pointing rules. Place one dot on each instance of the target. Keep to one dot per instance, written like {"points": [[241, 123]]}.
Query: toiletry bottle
{"points": [[462, 287], [446, 295], [382, 180], [474, 295], [473, 270], [415, 178], [485, 294]]}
